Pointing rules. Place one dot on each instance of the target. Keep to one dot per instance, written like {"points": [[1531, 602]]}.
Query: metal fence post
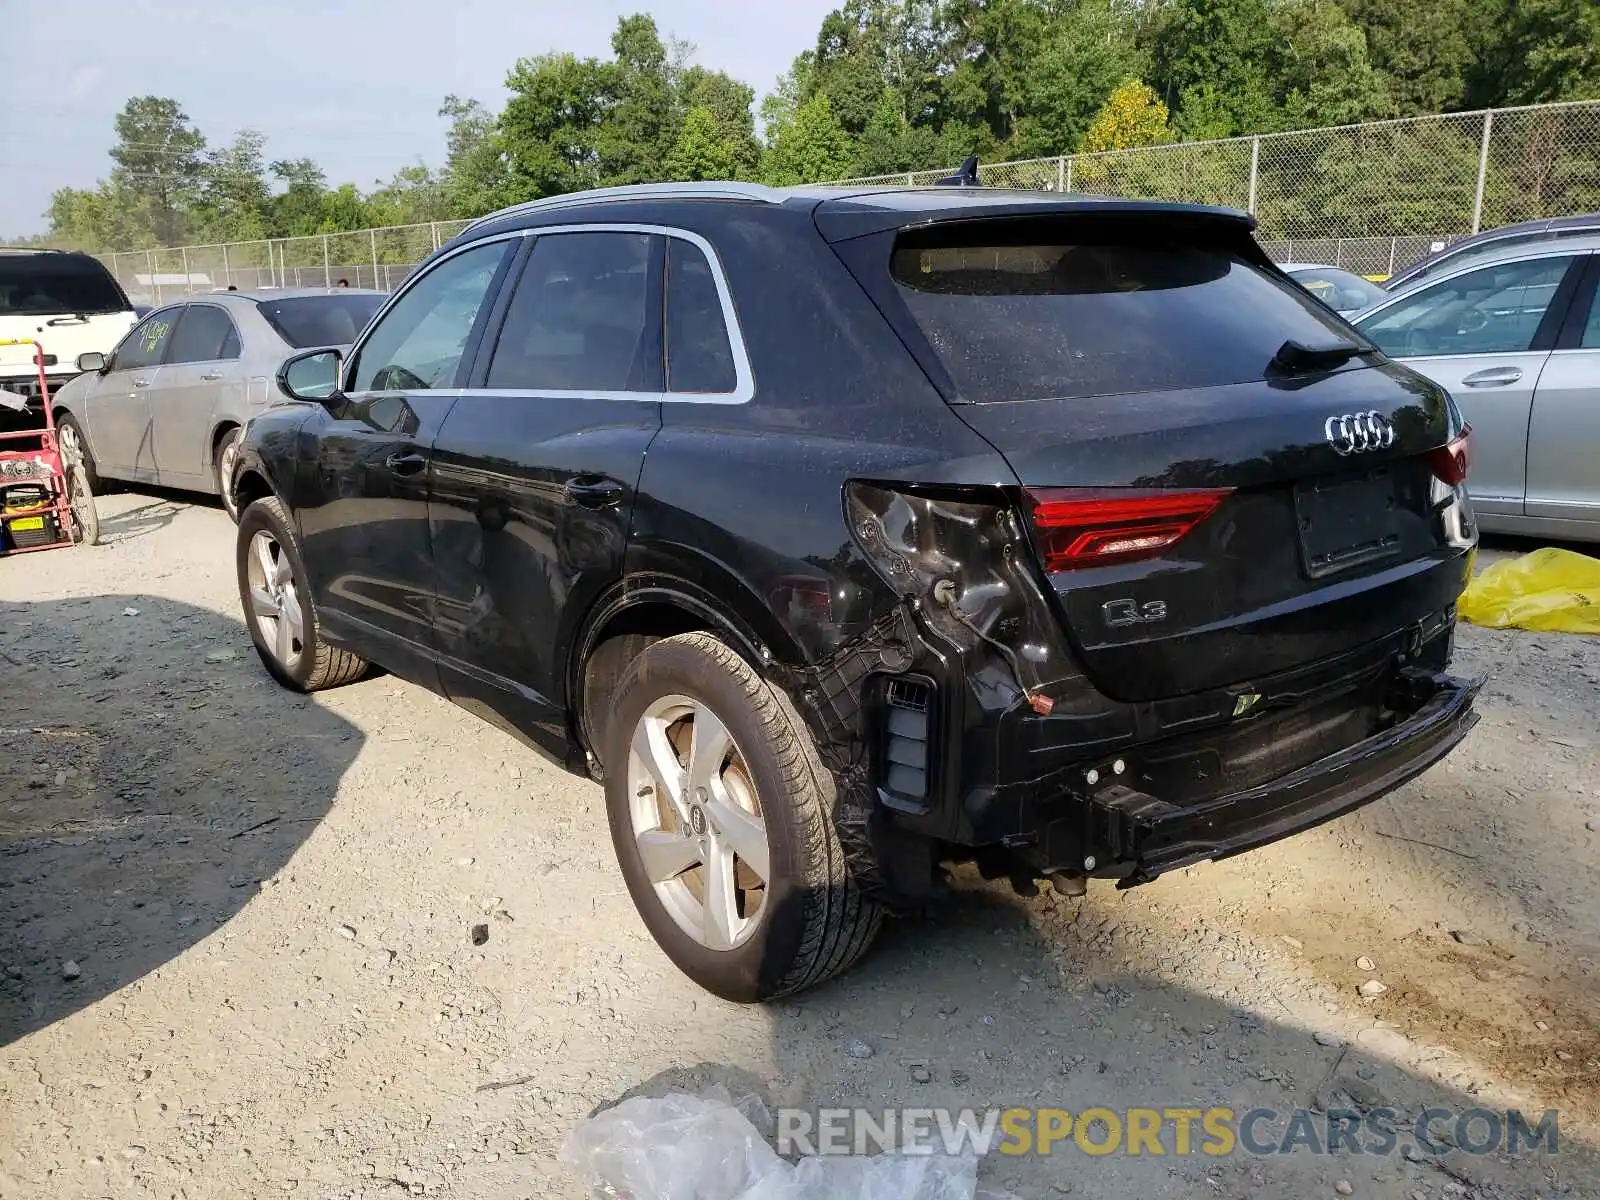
{"points": [[188, 280], [1068, 186], [150, 266], [1393, 243], [433, 228], [327, 264], [1483, 173], [1061, 173], [1255, 171], [227, 271], [373, 234]]}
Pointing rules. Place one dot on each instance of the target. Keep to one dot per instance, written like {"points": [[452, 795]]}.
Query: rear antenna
{"points": [[965, 176]]}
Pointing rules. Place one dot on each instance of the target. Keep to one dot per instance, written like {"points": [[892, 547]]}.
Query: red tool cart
{"points": [[45, 501]]}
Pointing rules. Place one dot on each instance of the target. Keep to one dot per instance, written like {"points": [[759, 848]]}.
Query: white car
{"points": [[68, 303]]}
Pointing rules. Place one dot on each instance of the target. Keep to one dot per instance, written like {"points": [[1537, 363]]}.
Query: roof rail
{"points": [[36, 250], [642, 191]]}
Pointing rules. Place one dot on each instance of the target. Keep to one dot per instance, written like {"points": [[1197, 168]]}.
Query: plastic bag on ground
{"points": [[683, 1147], [673, 1147], [1549, 590]]}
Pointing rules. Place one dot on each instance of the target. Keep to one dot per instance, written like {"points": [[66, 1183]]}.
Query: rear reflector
{"points": [[1451, 463], [1081, 527]]}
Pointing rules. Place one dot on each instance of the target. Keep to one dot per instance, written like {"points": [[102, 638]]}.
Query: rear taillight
{"points": [[1081, 527], [956, 555], [1451, 463]]}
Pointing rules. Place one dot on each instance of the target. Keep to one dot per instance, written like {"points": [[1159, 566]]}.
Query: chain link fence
{"points": [[366, 258], [1371, 198]]}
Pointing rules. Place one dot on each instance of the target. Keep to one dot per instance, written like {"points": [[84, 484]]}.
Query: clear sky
{"points": [[354, 84]]}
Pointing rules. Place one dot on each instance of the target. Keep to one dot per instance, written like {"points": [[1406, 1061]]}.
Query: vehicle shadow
{"points": [[149, 784], [125, 524], [1471, 890], [1055, 1004]]}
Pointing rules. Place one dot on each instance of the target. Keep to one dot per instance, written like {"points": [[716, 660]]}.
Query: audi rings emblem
{"points": [[1354, 433]]}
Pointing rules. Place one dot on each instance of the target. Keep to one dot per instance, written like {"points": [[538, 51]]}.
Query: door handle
{"points": [[141, 383], [1493, 377], [406, 464], [594, 491], [211, 376]]}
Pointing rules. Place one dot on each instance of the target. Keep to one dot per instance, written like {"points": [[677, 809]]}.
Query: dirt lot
{"points": [[266, 903]]}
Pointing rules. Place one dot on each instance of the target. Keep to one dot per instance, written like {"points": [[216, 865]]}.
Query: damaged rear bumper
{"points": [[1135, 836], [955, 765], [1155, 836]]}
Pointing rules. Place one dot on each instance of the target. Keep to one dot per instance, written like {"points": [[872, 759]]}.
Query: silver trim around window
{"points": [[744, 379]]}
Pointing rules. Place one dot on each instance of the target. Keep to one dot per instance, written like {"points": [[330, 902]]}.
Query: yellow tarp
{"points": [[1554, 591]]}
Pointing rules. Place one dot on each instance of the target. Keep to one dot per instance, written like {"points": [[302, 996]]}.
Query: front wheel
{"points": [[75, 449], [278, 607], [721, 815]]}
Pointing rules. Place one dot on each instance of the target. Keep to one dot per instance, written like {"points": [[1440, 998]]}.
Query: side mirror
{"points": [[93, 360], [311, 375]]}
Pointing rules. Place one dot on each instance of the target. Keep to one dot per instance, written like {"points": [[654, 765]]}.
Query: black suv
{"points": [[847, 533]]}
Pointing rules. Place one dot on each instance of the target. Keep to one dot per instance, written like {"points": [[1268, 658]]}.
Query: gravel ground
{"points": [[237, 951]]}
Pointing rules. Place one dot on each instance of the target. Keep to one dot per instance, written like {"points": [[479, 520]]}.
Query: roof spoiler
{"points": [[966, 175]]}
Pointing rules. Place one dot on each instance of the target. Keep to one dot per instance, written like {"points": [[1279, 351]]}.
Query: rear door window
{"points": [[1020, 318], [1590, 339], [205, 334]]}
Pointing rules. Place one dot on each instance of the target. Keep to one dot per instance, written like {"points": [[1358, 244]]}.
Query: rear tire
{"points": [[222, 470], [278, 608], [808, 920]]}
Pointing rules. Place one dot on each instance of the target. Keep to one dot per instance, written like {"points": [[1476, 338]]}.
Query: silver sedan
{"points": [[167, 406], [1514, 335]]}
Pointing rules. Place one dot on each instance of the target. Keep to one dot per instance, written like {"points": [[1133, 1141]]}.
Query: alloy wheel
{"points": [[275, 603], [697, 822], [71, 447]]}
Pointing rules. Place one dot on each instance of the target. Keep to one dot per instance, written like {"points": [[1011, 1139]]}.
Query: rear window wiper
{"points": [[1296, 357]]}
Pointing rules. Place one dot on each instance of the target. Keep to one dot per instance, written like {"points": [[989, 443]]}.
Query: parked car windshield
{"points": [[320, 320], [37, 284], [1338, 289], [1026, 322]]}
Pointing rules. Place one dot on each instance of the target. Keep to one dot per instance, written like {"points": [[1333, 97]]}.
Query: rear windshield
{"points": [[42, 284], [1034, 319], [320, 320]]}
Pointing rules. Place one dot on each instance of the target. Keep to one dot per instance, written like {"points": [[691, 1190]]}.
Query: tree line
{"points": [[889, 86]]}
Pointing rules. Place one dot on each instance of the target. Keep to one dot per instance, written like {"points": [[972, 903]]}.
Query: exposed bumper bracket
{"points": [[1156, 836]]}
